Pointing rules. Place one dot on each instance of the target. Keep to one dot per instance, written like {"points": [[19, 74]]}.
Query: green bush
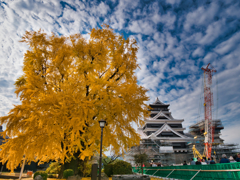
{"points": [[67, 173], [108, 169], [54, 168], [122, 167], [42, 173]]}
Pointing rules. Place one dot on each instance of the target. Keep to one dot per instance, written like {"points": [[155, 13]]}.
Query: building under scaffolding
{"points": [[230, 149], [219, 147], [152, 150], [198, 130]]}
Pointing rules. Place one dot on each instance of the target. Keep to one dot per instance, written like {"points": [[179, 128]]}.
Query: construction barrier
{"points": [[197, 172]]}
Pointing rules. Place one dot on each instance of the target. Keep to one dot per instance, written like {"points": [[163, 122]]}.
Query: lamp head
{"points": [[102, 123]]}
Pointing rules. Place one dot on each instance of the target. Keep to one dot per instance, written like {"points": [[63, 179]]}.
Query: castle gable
{"points": [[160, 115], [167, 131]]}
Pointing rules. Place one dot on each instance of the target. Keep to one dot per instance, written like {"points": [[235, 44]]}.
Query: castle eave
{"points": [[164, 120]]}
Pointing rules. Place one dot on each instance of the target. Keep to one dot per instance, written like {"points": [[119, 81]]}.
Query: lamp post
{"points": [[102, 124]]}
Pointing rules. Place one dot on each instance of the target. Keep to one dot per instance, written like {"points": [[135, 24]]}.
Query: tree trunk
{"points": [[73, 164]]}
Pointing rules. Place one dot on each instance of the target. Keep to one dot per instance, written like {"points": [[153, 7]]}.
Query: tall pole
{"points": [[22, 169], [100, 158]]}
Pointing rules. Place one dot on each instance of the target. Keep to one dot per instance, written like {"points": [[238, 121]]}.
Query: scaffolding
{"points": [[155, 154], [198, 130], [230, 149], [155, 151], [218, 147]]}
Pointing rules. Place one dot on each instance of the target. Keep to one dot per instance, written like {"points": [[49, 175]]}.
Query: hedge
{"points": [[42, 173], [67, 173]]}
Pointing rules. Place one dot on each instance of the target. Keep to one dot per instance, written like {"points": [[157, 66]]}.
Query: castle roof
{"points": [[164, 128], [158, 102]]}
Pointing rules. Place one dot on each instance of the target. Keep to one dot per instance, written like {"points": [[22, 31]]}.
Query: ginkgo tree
{"points": [[68, 85]]}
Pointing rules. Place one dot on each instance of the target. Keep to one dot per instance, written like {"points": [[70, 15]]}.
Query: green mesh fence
{"points": [[213, 171]]}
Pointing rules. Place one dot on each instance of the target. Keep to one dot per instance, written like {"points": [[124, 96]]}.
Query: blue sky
{"points": [[175, 38]]}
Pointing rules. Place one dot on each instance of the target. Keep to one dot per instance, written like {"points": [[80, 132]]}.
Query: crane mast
{"points": [[208, 103]]}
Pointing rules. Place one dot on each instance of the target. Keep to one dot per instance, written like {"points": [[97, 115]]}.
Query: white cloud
{"points": [[143, 72], [162, 65], [101, 9], [228, 45], [186, 106], [233, 10], [118, 18], [201, 16], [173, 2], [231, 133], [179, 52], [164, 44], [156, 18], [198, 52], [213, 31], [155, 49], [168, 20], [194, 38], [141, 26], [210, 57], [231, 60], [151, 81], [228, 83]]}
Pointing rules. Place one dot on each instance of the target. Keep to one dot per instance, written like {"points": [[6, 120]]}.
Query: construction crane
{"points": [[196, 153], [208, 103]]}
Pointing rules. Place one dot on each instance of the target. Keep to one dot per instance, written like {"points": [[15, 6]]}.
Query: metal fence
{"points": [[225, 171]]}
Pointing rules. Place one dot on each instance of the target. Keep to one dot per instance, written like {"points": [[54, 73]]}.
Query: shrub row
{"points": [[120, 167], [66, 174], [41, 173]]}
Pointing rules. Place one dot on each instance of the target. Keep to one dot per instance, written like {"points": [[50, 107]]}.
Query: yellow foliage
{"points": [[68, 85]]}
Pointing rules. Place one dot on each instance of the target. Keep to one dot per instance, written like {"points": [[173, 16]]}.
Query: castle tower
{"points": [[164, 135]]}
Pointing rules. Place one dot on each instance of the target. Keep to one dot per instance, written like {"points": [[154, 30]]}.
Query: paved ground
{"points": [[12, 177], [9, 177]]}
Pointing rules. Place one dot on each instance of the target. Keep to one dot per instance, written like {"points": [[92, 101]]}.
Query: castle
{"points": [[163, 139]]}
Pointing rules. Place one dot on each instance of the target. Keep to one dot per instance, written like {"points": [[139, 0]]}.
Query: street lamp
{"points": [[101, 124]]}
